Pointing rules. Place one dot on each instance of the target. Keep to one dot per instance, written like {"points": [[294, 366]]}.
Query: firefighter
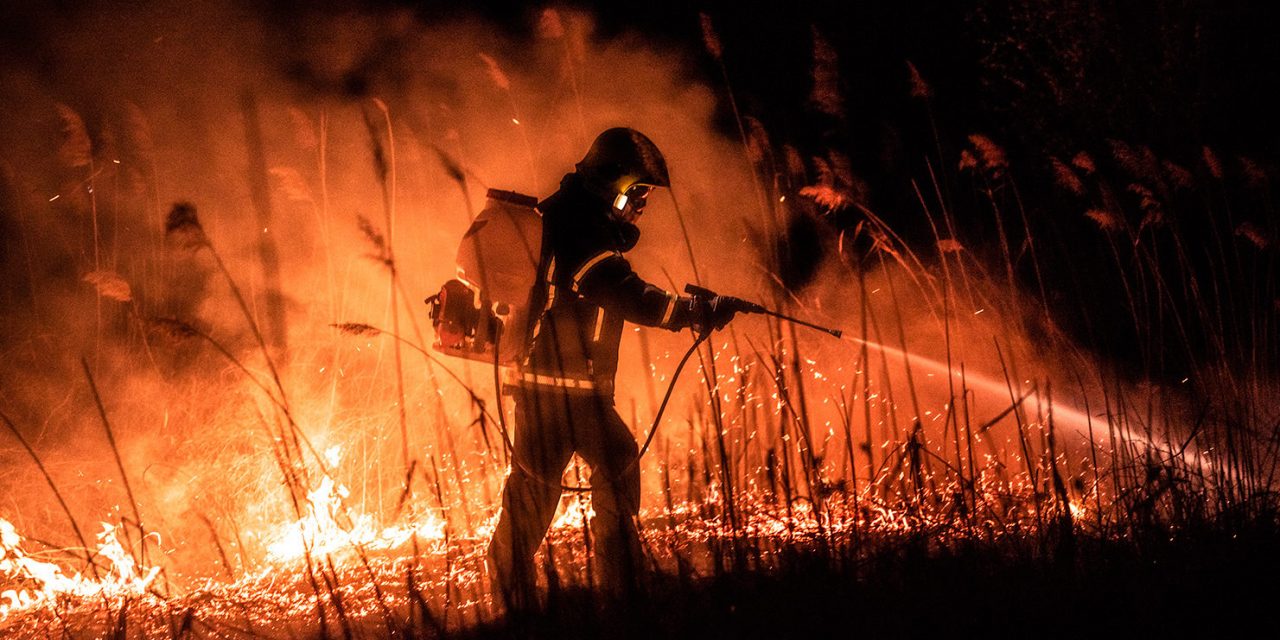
{"points": [[564, 389]]}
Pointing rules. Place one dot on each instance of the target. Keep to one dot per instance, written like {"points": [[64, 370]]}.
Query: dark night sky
{"points": [[1160, 73], [1174, 74]]}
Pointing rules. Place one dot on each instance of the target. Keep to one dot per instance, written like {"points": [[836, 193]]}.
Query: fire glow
{"points": [[286, 454], [49, 585], [330, 528]]}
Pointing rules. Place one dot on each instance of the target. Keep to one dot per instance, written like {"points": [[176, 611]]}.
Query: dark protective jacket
{"points": [[589, 289]]}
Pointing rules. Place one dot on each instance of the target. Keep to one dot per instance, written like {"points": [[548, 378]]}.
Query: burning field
{"points": [[1054, 399]]}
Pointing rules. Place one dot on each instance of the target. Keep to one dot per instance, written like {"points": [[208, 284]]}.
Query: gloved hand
{"points": [[711, 313]]}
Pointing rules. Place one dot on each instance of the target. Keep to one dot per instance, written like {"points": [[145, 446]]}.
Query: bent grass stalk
{"points": [[62, 502], [115, 453], [385, 169]]}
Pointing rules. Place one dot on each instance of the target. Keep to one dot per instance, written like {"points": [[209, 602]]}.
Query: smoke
{"points": [[316, 152], [118, 113], [138, 108]]}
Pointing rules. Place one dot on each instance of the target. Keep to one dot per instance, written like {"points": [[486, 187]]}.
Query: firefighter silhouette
{"points": [[564, 388]]}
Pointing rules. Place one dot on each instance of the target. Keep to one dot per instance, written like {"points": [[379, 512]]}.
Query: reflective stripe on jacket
{"points": [[592, 289]]}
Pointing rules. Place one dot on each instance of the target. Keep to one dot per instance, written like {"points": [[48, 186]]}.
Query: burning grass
{"points": [[344, 481], [340, 567]]}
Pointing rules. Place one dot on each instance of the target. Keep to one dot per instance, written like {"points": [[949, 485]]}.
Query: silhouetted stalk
{"points": [[864, 363], [810, 461], [1010, 281], [972, 483], [902, 336], [292, 434], [1022, 439], [291, 481], [684, 234], [448, 555], [711, 378], [951, 415], [1065, 520], [322, 167], [217, 544], [925, 94], [784, 475], [260, 196], [949, 219], [258, 337], [385, 167], [388, 618], [713, 46], [888, 405], [803, 445], [226, 565], [946, 315], [115, 452], [883, 246], [690, 466], [1031, 249], [335, 596], [97, 260], [846, 421], [75, 528]]}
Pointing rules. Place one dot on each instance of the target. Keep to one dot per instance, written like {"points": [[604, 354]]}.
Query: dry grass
{"points": [[842, 479]]}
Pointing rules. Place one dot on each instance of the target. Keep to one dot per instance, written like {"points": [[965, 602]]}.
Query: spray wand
{"points": [[746, 306]]}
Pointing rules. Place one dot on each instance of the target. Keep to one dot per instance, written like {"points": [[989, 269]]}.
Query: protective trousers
{"points": [[551, 425]]}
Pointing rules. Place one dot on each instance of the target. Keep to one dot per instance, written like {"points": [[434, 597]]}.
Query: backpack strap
{"points": [[547, 287]]}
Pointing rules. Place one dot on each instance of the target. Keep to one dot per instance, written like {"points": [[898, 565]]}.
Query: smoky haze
{"points": [[127, 112], [296, 138], [116, 113]]}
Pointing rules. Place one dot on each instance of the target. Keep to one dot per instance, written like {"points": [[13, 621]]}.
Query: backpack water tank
{"points": [[499, 260]]}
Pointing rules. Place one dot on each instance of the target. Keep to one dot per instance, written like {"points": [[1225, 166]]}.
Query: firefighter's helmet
{"points": [[620, 158]]}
